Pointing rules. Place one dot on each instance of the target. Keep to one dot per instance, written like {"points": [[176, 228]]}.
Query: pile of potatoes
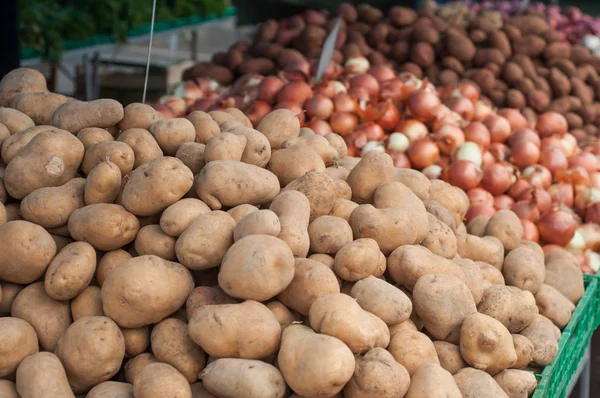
{"points": [[199, 257]]}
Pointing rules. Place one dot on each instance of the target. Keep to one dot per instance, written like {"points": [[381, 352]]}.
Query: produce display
{"points": [[205, 256], [514, 127]]}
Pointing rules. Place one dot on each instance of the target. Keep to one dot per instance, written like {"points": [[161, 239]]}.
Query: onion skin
{"points": [[343, 123], [423, 153], [557, 227], [319, 107], [496, 179], [479, 196], [562, 193], [463, 174], [526, 210], [423, 105]]}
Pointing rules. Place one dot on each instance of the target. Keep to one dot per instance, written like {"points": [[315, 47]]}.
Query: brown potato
{"points": [[104, 226], [144, 146], [161, 288], [245, 183], [524, 349], [326, 150], [314, 364], [27, 250], [51, 207], [91, 351], [206, 295], [93, 135], [14, 143], [102, 184], [506, 226], [524, 269], [21, 80], [192, 155], [14, 120], [343, 208], [88, 303], [204, 126], [291, 163], [42, 376], [413, 350], [240, 211], [76, 115], [564, 274], [377, 374], [513, 307], [441, 240], [517, 383], [117, 152], [50, 159], [283, 314], [375, 169], [257, 267], [239, 116], [257, 150], [247, 330], [111, 389], [449, 356], [293, 209], [8, 389], [8, 292], [477, 226], [241, 378], [109, 261], [329, 234], [215, 227], [384, 300], [311, 281], [279, 126], [138, 115], [181, 214], [71, 271], [442, 303], [135, 365], [171, 133], [137, 340], [431, 380], [262, 222], [554, 306], [358, 260], [18, 342], [172, 345], [488, 249], [474, 383], [415, 180], [159, 380], [152, 240]]}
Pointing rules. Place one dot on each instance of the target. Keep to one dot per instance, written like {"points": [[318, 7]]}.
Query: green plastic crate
{"points": [[556, 377]]}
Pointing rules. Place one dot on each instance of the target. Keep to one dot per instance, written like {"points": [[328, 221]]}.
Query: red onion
{"points": [[256, 110]]}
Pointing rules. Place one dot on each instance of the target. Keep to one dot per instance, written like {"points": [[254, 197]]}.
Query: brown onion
{"points": [[499, 151], [526, 134], [391, 89], [319, 107], [584, 159], [448, 138], [514, 117], [562, 193], [524, 153], [423, 105], [530, 231], [297, 92], [496, 178], [503, 202], [462, 106], [256, 110], [478, 210], [343, 123], [557, 227], [268, 89], [469, 90], [499, 128], [463, 174], [373, 131], [343, 102], [577, 176], [413, 129], [539, 196], [360, 94], [586, 198], [168, 113], [487, 158], [389, 116], [369, 83], [526, 210], [382, 73], [423, 153], [592, 214], [553, 159], [479, 196], [176, 104], [320, 127], [477, 132], [481, 111], [538, 176], [551, 123], [518, 188]]}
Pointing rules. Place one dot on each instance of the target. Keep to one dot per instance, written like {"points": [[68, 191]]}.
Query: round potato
{"points": [[102, 184], [192, 155], [171, 133], [204, 125], [18, 342], [152, 240], [50, 318], [137, 340], [159, 380], [93, 135], [257, 267], [262, 222], [279, 126], [21, 80], [8, 292], [134, 366], [42, 376], [111, 389], [156, 185], [88, 303], [109, 261], [206, 295], [180, 215], [328, 234], [71, 271], [27, 250], [8, 389], [91, 351], [104, 226], [153, 288], [145, 147], [171, 344]]}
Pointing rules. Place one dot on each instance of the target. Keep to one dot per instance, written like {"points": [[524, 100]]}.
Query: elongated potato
{"points": [[93, 135], [138, 115], [413, 350], [21, 80], [314, 364], [292, 163], [384, 300], [293, 210], [144, 146], [51, 207], [76, 115], [311, 281], [42, 376], [474, 383], [454, 199], [524, 269], [161, 288], [328, 153], [161, 380], [488, 249], [117, 152], [102, 184], [257, 150], [415, 180], [15, 120], [27, 250], [50, 159], [554, 306], [441, 240], [104, 226], [524, 349], [38, 106], [171, 344], [225, 146], [542, 333], [171, 133], [215, 227], [18, 342], [12, 144], [257, 267], [517, 383], [247, 330], [91, 351], [241, 378], [71, 271], [49, 318], [564, 274], [245, 184]]}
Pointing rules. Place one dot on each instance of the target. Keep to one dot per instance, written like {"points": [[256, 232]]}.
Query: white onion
{"points": [[398, 142], [372, 146], [339, 87], [577, 243], [357, 65], [432, 172], [469, 151], [593, 259]]}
